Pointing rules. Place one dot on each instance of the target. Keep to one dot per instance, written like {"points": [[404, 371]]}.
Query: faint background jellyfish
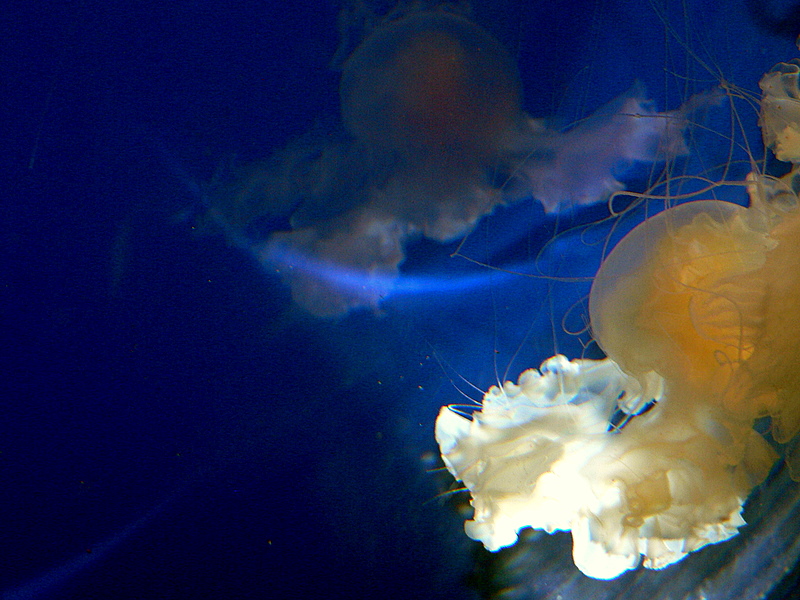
{"points": [[434, 138]]}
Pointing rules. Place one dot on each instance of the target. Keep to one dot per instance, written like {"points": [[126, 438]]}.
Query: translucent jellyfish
{"points": [[650, 454], [434, 138]]}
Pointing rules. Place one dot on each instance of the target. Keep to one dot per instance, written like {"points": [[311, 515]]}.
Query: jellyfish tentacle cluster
{"points": [[696, 310]]}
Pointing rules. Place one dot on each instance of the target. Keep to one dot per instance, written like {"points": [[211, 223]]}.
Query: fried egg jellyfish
{"points": [[650, 454], [434, 138]]}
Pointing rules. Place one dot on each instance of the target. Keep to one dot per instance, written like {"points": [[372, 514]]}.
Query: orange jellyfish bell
{"points": [[681, 295]]}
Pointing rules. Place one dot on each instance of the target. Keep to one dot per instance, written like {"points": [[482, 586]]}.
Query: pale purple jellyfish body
{"points": [[435, 139]]}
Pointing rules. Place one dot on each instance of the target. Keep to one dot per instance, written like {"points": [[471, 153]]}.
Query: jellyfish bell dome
{"points": [[670, 297], [704, 295], [433, 83]]}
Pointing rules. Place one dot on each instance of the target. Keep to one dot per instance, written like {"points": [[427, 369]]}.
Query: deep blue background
{"points": [[170, 427]]}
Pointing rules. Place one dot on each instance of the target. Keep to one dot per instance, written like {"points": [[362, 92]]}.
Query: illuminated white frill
{"points": [[544, 453]]}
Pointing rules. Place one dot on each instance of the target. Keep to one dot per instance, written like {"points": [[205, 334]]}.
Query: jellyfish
{"points": [[649, 454], [433, 138]]}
